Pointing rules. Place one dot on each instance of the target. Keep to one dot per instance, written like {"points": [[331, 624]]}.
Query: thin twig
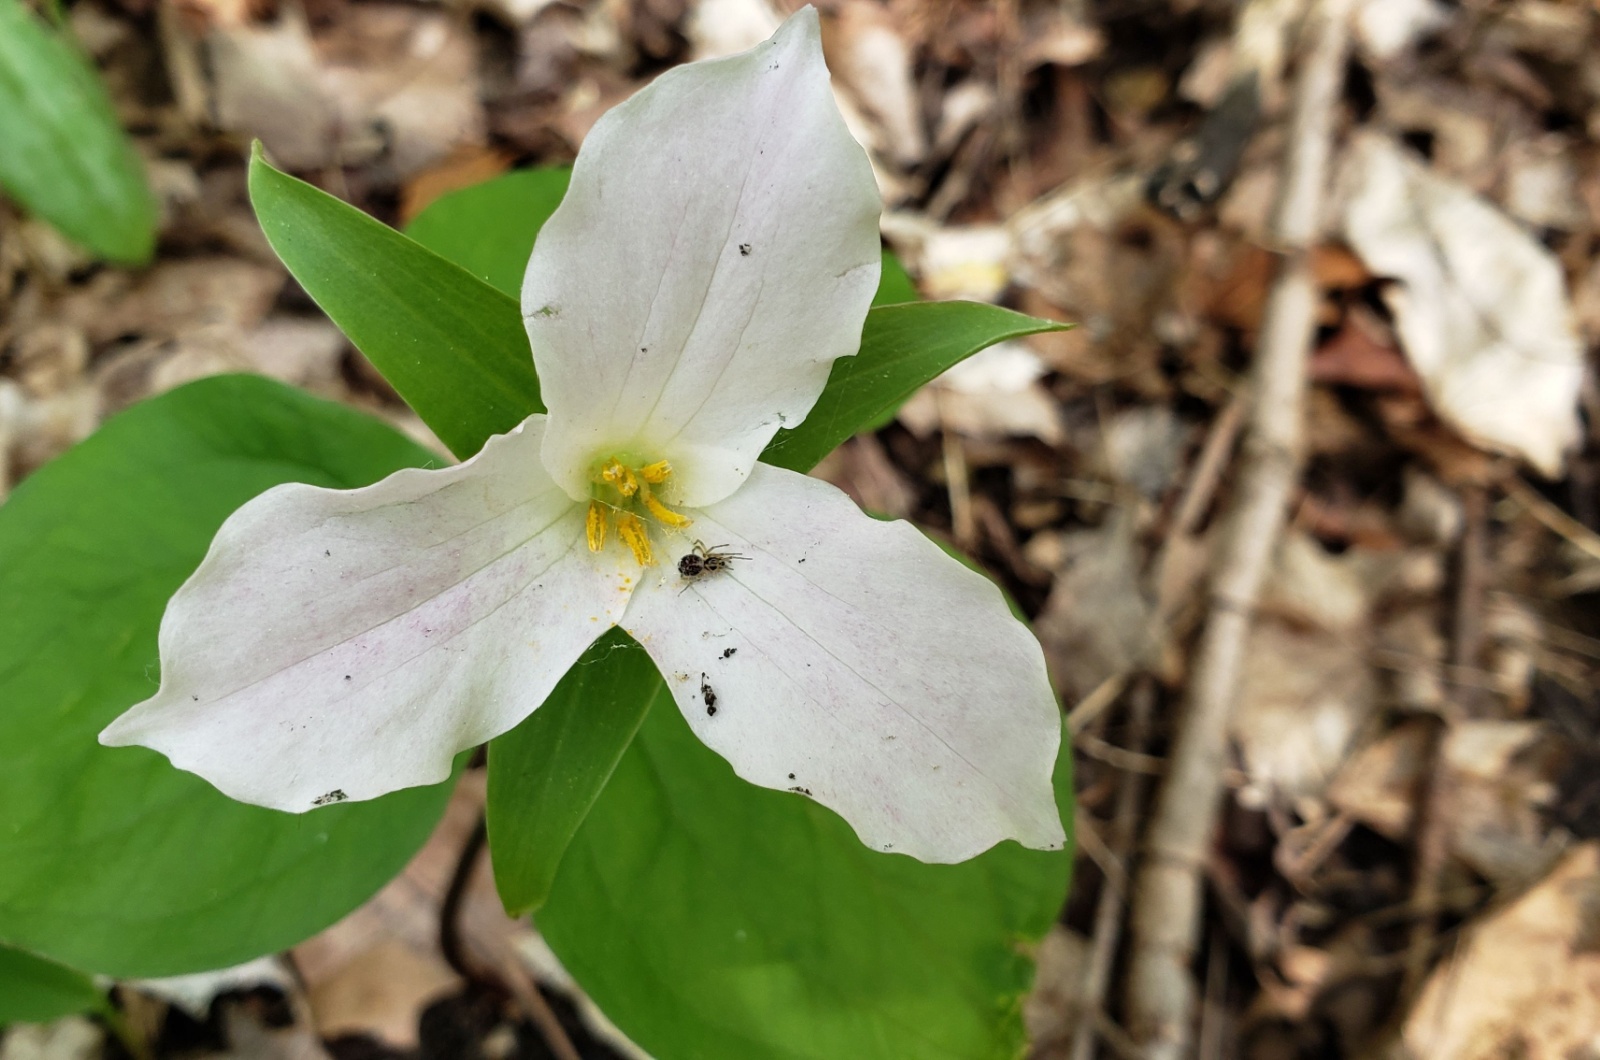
{"points": [[1090, 707], [1113, 893], [1086, 837], [1213, 1013], [1118, 757], [1297, 864], [1433, 809], [963, 527], [451, 944], [1472, 585], [1554, 519], [531, 999], [1167, 898], [1432, 848], [1208, 468], [507, 974]]}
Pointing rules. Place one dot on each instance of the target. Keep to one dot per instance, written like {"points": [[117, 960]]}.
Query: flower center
{"points": [[624, 496]]}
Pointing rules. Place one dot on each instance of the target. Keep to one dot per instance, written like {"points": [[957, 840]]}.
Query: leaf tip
{"points": [[518, 898], [260, 165]]}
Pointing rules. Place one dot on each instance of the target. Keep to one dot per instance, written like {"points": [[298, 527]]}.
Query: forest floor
{"points": [[1405, 855]]}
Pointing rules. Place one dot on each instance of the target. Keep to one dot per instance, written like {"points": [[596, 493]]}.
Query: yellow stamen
{"points": [[620, 476], [666, 515], [594, 526], [633, 533], [656, 473]]}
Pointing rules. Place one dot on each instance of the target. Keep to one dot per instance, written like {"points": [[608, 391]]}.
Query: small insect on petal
{"points": [[693, 566]]}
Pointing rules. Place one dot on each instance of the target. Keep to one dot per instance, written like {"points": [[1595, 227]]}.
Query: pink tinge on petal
{"points": [[340, 645]]}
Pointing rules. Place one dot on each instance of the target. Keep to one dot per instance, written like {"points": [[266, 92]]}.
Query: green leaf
{"points": [[450, 344], [545, 774], [902, 347], [710, 918], [34, 990], [110, 859], [489, 228], [62, 153]]}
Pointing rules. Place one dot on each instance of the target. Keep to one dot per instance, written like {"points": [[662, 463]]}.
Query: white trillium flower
{"points": [[717, 250]]}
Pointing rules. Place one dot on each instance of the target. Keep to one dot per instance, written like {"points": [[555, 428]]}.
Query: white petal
{"points": [[342, 644], [717, 250], [854, 662]]}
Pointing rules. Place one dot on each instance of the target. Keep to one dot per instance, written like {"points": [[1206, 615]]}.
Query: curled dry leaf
{"points": [[873, 59], [1499, 780], [1308, 687], [1303, 696], [1527, 981], [1310, 587], [1501, 784], [385, 85], [1479, 305], [1380, 784], [404, 82], [267, 80]]}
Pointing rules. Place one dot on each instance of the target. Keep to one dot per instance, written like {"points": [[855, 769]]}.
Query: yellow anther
{"points": [[656, 473], [620, 476], [633, 533], [665, 515], [594, 526]]}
